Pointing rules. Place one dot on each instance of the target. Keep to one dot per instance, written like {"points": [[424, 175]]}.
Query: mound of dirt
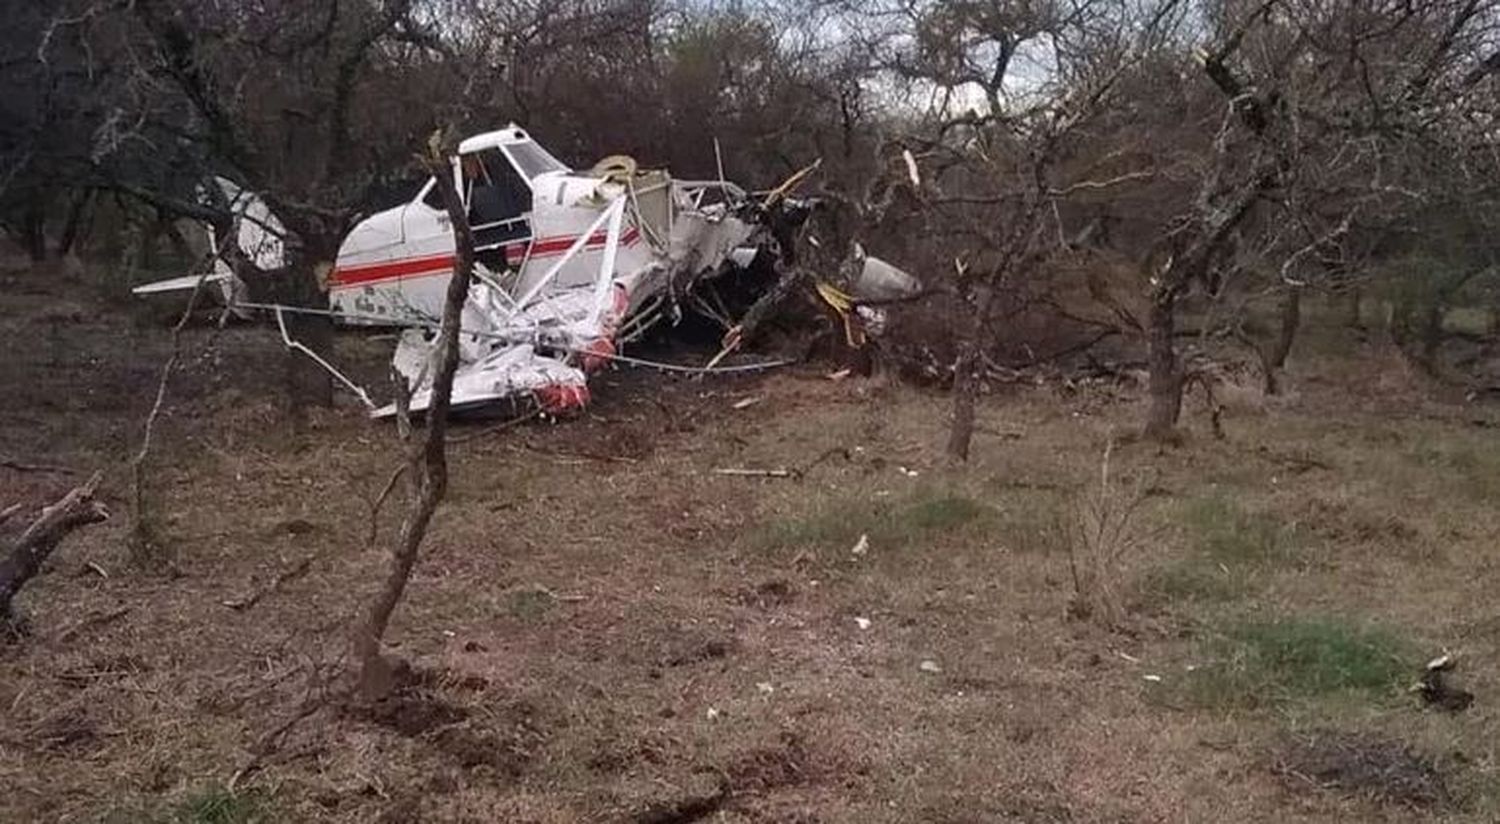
{"points": [[1365, 765]]}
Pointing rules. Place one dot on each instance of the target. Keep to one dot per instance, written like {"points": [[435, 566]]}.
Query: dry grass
{"points": [[603, 628], [1100, 539], [1365, 766]]}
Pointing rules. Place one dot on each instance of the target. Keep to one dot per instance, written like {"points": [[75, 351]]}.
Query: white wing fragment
{"points": [[911, 168]]}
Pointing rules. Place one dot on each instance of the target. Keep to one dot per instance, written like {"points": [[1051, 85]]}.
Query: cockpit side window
{"points": [[433, 196], [497, 197], [533, 160]]}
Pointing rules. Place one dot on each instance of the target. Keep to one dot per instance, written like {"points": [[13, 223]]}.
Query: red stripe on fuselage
{"points": [[393, 270], [443, 264]]}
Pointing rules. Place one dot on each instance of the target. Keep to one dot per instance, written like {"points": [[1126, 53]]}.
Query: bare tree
{"points": [[428, 462], [1017, 91], [1329, 110]]}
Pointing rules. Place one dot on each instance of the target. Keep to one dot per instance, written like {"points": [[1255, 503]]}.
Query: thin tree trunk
{"points": [[965, 387], [1165, 374], [1354, 319], [1281, 347], [429, 466], [966, 373], [1020, 253], [34, 231], [150, 238], [1432, 334], [307, 384], [145, 545], [72, 227]]}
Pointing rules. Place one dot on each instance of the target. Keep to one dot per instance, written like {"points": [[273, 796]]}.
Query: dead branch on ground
{"points": [[796, 473], [97, 619], [10, 512], [268, 742], [27, 553], [22, 466], [247, 601]]}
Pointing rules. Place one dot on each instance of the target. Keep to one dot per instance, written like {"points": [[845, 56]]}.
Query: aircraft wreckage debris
{"points": [[571, 266]]}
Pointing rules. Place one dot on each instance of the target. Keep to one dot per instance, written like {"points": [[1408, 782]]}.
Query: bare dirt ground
{"points": [[602, 628]]}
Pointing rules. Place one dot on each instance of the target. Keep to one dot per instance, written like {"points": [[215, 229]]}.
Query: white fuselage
{"points": [[395, 265]]}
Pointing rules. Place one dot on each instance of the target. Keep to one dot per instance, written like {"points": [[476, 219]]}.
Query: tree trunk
{"points": [[73, 226], [429, 466], [1165, 374], [307, 383], [34, 231], [1354, 319], [145, 546], [150, 238], [1431, 334], [966, 372], [1277, 352], [965, 387]]}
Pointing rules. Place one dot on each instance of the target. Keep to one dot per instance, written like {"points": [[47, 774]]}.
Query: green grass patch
{"points": [[219, 805], [529, 606], [1194, 582], [213, 804], [945, 512], [1029, 519], [890, 522], [1031, 529], [1268, 663], [1225, 532]]}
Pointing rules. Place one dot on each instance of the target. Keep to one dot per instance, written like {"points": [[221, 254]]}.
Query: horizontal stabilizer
{"points": [[186, 283]]}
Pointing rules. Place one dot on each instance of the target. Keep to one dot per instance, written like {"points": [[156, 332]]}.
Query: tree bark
{"points": [[150, 236], [34, 231], [1431, 334], [966, 370], [1428, 317], [1276, 354], [965, 387], [1019, 252], [1165, 373], [429, 464], [73, 225], [29, 551], [302, 285]]}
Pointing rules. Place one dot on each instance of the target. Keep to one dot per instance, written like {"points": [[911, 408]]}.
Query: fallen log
{"points": [[26, 554], [22, 466]]}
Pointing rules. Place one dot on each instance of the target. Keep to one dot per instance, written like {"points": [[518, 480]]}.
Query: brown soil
{"points": [[601, 628], [1364, 765]]}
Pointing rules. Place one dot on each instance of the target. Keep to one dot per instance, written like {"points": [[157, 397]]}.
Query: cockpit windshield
{"points": [[533, 160]]}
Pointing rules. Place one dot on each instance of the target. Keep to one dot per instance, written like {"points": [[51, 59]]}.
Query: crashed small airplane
{"points": [[570, 266]]}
